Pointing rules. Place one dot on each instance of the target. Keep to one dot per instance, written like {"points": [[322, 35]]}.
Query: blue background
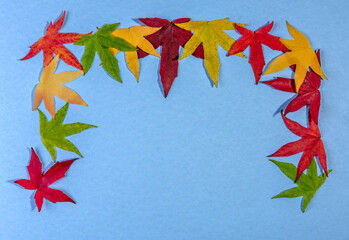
{"points": [[191, 166]]}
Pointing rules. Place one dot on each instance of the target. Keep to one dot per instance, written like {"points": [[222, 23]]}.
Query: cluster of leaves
{"points": [[299, 56], [200, 39], [101, 42], [54, 132]]}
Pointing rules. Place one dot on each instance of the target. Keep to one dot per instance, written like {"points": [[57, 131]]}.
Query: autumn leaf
{"points": [[170, 38], [308, 93], [135, 36], [310, 144], [54, 132], [52, 43], [52, 85], [255, 41], [308, 183], [210, 34], [101, 42], [301, 54], [40, 181]]}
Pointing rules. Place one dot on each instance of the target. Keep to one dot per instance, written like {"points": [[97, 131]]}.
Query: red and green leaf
{"points": [[310, 144]]}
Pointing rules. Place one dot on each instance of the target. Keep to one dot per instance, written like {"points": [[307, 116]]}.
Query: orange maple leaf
{"points": [[52, 43]]}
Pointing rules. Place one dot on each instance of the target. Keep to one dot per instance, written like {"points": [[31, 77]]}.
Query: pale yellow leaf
{"points": [[52, 85]]}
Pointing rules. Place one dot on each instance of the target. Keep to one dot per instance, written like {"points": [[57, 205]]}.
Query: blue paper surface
{"points": [[191, 166]]}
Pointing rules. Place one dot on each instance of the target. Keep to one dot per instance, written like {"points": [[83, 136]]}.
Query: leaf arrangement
{"points": [[200, 39]]}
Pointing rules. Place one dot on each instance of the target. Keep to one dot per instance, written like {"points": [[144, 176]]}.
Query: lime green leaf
{"points": [[84, 40], [89, 54], [308, 183], [290, 193], [54, 133], [287, 168], [312, 174], [306, 200], [115, 42], [101, 42], [110, 63], [108, 28], [290, 171]]}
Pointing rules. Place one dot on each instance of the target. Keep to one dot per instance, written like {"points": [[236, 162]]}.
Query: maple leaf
{"points": [[170, 38], [210, 34], [135, 36], [308, 183], [52, 43], [301, 55], [255, 41], [310, 144], [52, 85], [40, 181], [101, 42], [308, 93], [54, 132]]}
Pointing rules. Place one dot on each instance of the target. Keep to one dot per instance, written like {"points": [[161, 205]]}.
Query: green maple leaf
{"points": [[308, 183], [54, 132], [101, 42]]}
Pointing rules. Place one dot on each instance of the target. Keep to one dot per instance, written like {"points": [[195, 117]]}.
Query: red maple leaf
{"points": [[310, 144], [170, 37], [255, 41], [308, 93], [40, 181], [52, 43]]}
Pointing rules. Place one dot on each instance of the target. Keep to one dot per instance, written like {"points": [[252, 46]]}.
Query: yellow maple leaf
{"points": [[301, 54], [52, 85], [135, 36], [210, 34]]}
